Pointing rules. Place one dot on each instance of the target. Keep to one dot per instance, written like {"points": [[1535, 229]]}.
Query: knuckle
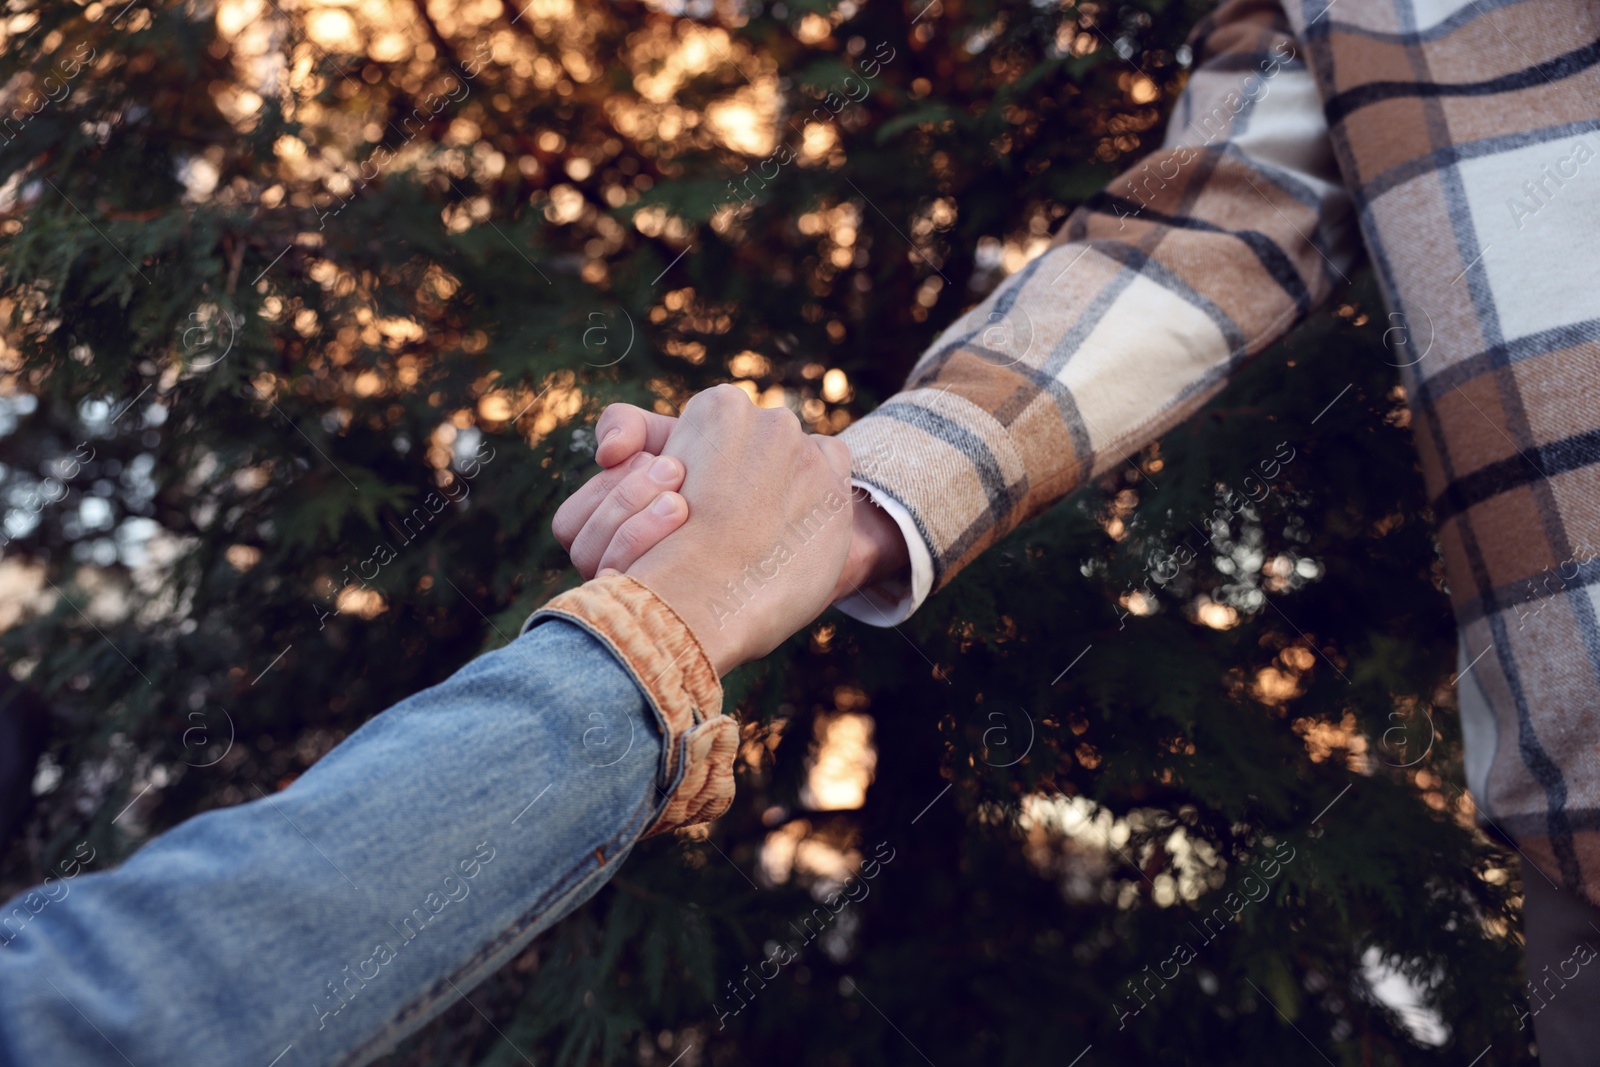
{"points": [[583, 543], [781, 415], [633, 493], [561, 531], [632, 539], [727, 396], [630, 542], [566, 525], [717, 405], [780, 428], [612, 416]]}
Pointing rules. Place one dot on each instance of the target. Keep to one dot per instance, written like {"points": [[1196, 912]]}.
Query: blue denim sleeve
{"points": [[322, 923]]}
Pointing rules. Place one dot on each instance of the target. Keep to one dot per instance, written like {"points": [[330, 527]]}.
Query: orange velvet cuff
{"points": [[657, 647]]}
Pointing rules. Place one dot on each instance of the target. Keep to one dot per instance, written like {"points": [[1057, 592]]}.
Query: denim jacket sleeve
{"points": [[322, 923]]}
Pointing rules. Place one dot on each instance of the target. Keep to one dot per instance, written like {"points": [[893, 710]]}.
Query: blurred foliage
{"points": [[273, 274]]}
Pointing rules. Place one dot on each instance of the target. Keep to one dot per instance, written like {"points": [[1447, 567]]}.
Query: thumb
{"points": [[624, 430]]}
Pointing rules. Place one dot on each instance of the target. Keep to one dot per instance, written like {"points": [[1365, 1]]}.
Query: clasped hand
{"points": [[730, 513], [735, 516]]}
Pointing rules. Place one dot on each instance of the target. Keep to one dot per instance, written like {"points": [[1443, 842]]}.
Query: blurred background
{"points": [[271, 273]]}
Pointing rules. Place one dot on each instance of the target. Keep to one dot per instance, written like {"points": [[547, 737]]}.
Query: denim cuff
{"points": [[656, 647]]}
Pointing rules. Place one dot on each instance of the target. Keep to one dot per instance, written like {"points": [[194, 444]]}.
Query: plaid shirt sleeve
{"points": [[1148, 298], [1468, 140], [1464, 140]]}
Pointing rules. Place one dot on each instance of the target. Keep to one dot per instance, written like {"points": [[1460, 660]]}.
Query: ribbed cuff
{"points": [[655, 646]]}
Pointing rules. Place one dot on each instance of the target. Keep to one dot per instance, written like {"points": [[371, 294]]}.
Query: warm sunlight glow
{"points": [[842, 768], [1325, 740], [333, 30], [1273, 686], [366, 603], [741, 128], [1217, 616]]}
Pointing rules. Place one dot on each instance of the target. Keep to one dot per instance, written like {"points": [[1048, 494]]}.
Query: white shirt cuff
{"points": [[891, 602]]}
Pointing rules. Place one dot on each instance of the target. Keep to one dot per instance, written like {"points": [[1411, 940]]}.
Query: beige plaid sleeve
{"points": [[1151, 294]]}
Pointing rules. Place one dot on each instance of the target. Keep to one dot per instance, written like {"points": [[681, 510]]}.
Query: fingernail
{"points": [[666, 505], [640, 461], [664, 470], [610, 434]]}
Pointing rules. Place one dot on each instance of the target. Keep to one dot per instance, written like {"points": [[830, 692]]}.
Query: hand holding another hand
{"points": [[621, 513], [766, 532], [877, 546]]}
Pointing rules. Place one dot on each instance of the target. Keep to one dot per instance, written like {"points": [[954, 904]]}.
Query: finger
{"points": [[632, 495], [576, 509], [624, 429], [836, 452], [645, 531]]}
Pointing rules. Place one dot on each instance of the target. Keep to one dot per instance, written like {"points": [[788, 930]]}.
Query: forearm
{"points": [[345, 910], [1149, 298]]}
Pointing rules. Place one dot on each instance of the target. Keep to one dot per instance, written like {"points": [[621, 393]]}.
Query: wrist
{"points": [[878, 549], [705, 617], [647, 632]]}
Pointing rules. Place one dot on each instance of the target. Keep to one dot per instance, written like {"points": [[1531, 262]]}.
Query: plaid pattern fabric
{"points": [[1459, 143]]}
